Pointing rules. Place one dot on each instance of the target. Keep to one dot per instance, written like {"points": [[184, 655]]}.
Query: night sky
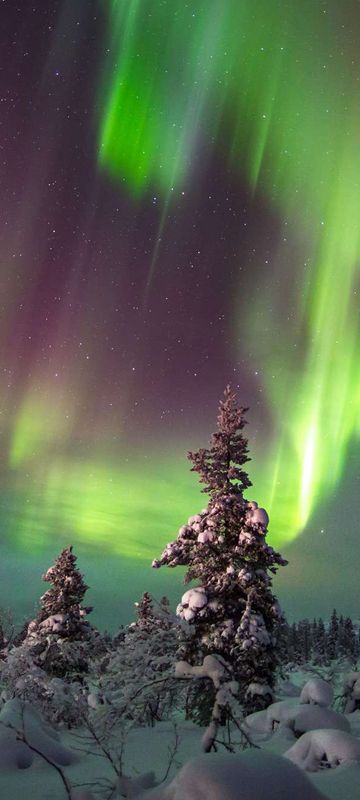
{"points": [[180, 210]]}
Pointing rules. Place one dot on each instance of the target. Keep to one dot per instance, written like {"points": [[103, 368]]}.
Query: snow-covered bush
{"points": [[351, 691], [318, 691], [139, 681], [281, 712], [58, 700], [320, 747], [301, 717]]}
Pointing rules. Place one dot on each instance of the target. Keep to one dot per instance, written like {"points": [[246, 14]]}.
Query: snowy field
{"points": [[311, 769]]}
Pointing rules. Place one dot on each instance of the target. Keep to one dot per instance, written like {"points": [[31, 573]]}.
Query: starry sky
{"points": [[180, 210]]}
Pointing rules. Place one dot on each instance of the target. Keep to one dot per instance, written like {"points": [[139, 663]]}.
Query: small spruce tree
{"points": [[349, 639], [332, 639], [341, 637], [232, 611], [282, 632], [65, 597], [144, 612], [60, 639], [320, 655], [304, 637]]}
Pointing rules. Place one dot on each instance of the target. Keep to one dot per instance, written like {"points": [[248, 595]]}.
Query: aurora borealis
{"points": [[181, 206]]}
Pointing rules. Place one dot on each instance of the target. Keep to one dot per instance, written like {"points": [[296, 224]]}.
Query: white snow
{"points": [[352, 691], [213, 667], [318, 691], [195, 598], [192, 603], [259, 689], [300, 717], [262, 774], [206, 536], [17, 716], [309, 717], [251, 775], [316, 746], [256, 516], [200, 779]]}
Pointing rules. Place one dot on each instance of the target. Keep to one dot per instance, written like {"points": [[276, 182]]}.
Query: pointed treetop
{"points": [[220, 465], [68, 585]]}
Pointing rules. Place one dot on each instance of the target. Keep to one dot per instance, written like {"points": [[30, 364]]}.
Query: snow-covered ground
{"points": [[256, 774]]}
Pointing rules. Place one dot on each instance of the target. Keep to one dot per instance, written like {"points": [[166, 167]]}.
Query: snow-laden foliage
{"points": [[62, 602], [137, 680], [58, 649], [61, 623], [232, 611], [317, 691], [59, 701], [226, 691]]}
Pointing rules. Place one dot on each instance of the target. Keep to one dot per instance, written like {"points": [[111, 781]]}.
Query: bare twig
{"points": [[172, 750]]}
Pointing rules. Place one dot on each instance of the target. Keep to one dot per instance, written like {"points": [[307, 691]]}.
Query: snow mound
{"points": [[282, 711], [81, 795], [257, 722], [309, 718], [317, 691], [252, 775], [19, 716], [332, 746], [13, 754], [300, 717]]}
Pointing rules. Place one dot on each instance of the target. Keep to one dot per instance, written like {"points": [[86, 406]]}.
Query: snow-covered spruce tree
{"points": [[232, 610], [65, 597], [60, 639], [49, 668]]}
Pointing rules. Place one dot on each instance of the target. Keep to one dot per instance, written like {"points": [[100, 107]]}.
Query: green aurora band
{"points": [[99, 505], [272, 87]]}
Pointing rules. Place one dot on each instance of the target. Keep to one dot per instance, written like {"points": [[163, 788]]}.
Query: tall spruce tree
{"points": [[232, 611]]}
